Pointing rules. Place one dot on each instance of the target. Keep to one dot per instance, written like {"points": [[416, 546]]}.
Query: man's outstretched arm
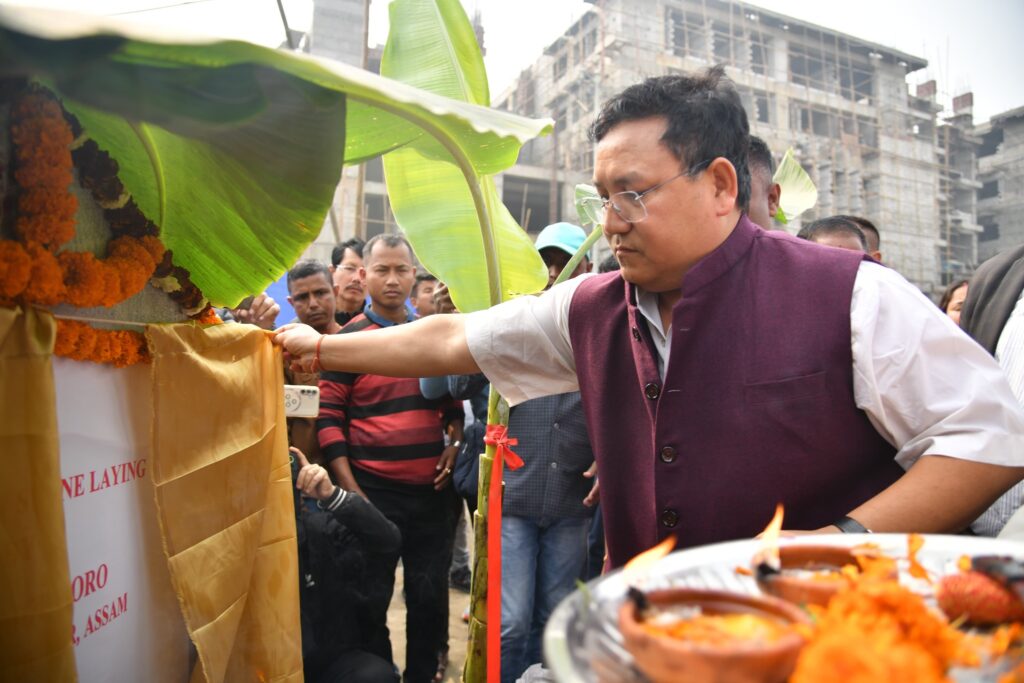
{"points": [[432, 346], [938, 494]]}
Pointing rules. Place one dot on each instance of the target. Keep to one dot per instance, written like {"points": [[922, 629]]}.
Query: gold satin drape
{"points": [[35, 585], [223, 494]]}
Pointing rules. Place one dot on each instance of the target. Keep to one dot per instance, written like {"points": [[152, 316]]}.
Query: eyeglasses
{"points": [[630, 205]]}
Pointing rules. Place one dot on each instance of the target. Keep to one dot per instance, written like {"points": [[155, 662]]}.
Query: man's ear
{"points": [[722, 174], [292, 304], [335, 288], [774, 196], [362, 273]]}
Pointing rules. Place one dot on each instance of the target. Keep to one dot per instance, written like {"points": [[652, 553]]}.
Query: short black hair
{"points": [[307, 268], [609, 264], [338, 253], [866, 226], [947, 295], [833, 225], [422, 277], [705, 120], [391, 241], [759, 156]]}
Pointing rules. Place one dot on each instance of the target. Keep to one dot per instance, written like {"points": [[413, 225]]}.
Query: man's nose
{"points": [[614, 223]]}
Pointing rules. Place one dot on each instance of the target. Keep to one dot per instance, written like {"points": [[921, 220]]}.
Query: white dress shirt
{"points": [[926, 386], [1010, 356]]}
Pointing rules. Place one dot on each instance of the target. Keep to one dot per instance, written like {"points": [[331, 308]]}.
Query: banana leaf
{"points": [[438, 201], [798, 190], [463, 234], [235, 150]]}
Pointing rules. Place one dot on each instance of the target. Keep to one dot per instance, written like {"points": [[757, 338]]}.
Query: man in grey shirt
{"points": [[545, 519]]}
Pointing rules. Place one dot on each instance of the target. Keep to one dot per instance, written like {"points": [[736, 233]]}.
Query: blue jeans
{"points": [[541, 559]]}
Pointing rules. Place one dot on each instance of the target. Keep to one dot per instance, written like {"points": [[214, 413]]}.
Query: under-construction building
{"points": [[840, 102], [1001, 173]]}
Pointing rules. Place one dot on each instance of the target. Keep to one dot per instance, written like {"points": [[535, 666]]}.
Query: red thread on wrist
{"points": [[316, 356]]}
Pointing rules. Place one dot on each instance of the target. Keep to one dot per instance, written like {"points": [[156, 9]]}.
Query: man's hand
{"points": [[443, 299], [313, 480], [299, 343], [261, 313], [444, 467], [594, 497]]}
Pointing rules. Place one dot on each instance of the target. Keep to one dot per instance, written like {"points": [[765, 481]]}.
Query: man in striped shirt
{"points": [[382, 439]]}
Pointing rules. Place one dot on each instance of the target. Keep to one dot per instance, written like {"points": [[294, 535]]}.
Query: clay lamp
{"points": [[708, 636], [810, 574]]}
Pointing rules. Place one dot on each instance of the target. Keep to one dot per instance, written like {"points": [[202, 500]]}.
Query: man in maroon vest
{"points": [[725, 369]]}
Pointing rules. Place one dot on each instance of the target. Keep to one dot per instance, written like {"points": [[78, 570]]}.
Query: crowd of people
{"points": [[712, 368]]}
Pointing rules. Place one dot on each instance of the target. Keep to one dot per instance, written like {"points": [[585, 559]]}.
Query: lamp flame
{"points": [[769, 553], [651, 555]]}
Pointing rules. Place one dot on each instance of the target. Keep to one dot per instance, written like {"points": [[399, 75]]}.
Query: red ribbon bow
{"points": [[497, 436]]}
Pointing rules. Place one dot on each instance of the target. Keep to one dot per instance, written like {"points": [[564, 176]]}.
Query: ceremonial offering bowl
{"points": [[665, 658], [796, 581]]}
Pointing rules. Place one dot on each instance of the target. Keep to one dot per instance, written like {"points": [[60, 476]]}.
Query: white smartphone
{"points": [[301, 400]]}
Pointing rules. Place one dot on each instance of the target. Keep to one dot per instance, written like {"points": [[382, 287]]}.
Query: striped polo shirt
{"points": [[383, 425]]}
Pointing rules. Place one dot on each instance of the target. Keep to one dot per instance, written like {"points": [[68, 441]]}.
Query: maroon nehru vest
{"points": [[756, 408]]}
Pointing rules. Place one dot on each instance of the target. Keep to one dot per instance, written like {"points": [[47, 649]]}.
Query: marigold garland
{"points": [[47, 142], [120, 348], [33, 272], [98, 172], [42, 169], [877, 631], [15, 270], [46, 283]]}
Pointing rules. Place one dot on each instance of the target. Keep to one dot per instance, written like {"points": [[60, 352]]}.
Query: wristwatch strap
{"points": [[848, 525]]}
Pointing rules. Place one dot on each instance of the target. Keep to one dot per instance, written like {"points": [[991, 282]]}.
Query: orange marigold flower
{"points": [[101, 352], [914, 544], [849, 654], [46, 284], [44, 201], [48, 176], [155, 248], [132, 276], [208, 317], [67, 337], [878, 631], [79, 341], [131, 250], [112, 293], [15, 269], [84, 344], [84, 278]]}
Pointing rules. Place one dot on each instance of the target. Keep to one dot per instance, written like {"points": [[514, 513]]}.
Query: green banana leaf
{"points": [[235, 150], [462, 234], [586, 199], [798, 190]]}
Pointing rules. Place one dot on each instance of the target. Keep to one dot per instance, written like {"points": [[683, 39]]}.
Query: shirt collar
{"points": [[384, 322]]}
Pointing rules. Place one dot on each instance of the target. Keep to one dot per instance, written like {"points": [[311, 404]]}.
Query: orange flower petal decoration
{"points": [[914, 544], [31, 272], [79, 341], [46, 285], [83, 278], [15, 269]]}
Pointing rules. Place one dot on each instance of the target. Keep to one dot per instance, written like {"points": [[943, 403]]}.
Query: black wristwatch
{"points": [[848, 525]]}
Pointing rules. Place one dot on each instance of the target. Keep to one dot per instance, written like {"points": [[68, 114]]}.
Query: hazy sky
{"points": [[969, 45]]}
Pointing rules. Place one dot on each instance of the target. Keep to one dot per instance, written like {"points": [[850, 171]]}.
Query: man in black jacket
{"points": [[336, 537]]}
